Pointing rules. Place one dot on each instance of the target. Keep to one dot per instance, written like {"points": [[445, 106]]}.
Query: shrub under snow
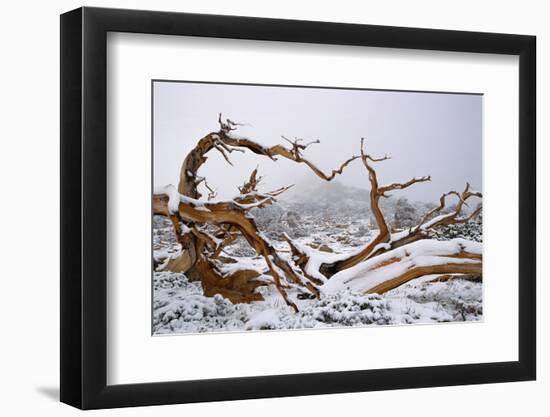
{"points": [[180, 307]]}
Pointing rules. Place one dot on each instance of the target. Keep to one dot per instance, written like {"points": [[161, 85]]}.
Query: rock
{"points": [[305, 296], [325, 248], [343, 239]]}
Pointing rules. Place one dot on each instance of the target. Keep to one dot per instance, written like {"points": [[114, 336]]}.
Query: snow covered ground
{"points": [[180, 307]]}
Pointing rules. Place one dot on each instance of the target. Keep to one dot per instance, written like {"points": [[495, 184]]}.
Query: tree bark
{"points": [[200, 250]]}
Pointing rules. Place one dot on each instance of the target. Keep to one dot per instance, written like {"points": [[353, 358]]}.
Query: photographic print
{"points": [[286, 207]]}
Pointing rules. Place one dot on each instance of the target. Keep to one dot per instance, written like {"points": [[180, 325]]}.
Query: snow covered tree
{"points": [[203, 228]]}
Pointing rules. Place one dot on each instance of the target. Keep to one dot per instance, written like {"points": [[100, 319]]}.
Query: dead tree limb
{"points": [[376, 192], [396, 267], [203, 229], [233, 214], [385, 241], [225, 142]]}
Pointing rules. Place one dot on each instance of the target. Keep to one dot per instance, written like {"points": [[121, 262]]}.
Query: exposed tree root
{"points": [[238, 287]]}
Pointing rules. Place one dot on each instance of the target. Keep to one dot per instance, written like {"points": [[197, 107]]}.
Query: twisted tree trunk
{"points": [[203, 229]]}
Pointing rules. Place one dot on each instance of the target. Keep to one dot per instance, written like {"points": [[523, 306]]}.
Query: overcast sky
{"points": [[424, 133]]}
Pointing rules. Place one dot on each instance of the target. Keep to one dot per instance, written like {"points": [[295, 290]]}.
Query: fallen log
{"points": [[399, 266]]}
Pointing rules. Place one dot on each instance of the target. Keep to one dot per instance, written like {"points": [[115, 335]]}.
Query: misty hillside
{"points": [[334, 205]]}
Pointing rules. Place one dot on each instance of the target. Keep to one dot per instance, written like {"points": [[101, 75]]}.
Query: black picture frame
{"points": [[84, 207]]}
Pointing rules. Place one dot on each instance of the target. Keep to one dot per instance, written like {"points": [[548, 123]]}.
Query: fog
{"points": [[435, 134]]}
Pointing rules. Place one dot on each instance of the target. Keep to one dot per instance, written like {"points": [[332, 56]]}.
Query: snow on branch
{"points": [[233, 141], [398, 266], [194, 221], [452, 217]]}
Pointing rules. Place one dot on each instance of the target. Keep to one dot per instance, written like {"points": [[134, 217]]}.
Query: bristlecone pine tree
{"points": [[204, 228]]}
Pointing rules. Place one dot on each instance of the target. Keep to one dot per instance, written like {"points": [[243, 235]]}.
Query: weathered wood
{"points": [[199, 249], [231, 214], [419, 271], [376, 192]]}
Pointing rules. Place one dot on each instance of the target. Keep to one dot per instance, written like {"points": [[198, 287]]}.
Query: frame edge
{"points": [[70, 211], [527, 207]]}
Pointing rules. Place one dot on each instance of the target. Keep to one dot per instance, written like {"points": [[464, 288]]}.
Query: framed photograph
{"points": [[257, 208]]}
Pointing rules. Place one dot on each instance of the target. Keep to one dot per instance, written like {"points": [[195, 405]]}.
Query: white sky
{"points": [[424, 133]]}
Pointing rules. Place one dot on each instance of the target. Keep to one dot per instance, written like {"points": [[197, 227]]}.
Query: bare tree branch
{"points": [[231, 213], [452, 217], [211, 192], [383, 230], [292, 154], [401, 186], [251, 184], [229, 219]]}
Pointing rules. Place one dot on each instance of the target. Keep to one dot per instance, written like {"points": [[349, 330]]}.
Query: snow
{"points": [[184, 229], [251, 205], [385, 246], [162, 254], [317, 258], [256, 264], [263, 320], [454, 300], [370, 273], [173, 197], [180, 307], [399, 235], [435, 220], [325, 221]]}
